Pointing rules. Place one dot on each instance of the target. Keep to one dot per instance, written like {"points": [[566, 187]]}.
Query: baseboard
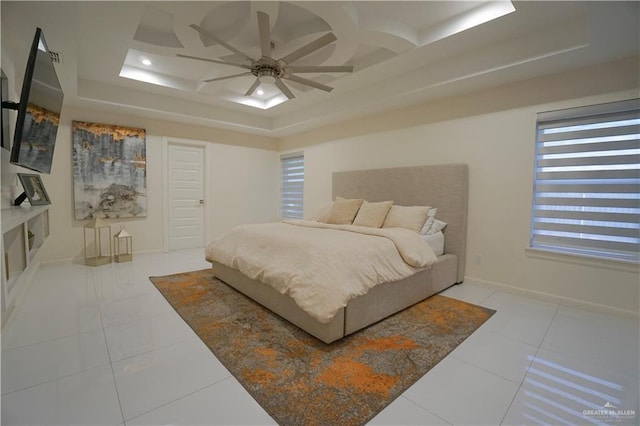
{"points": [[80, 260], [154, 251], [548, 297]]}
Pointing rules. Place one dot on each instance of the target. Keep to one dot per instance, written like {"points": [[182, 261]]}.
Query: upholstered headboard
{"points": [[443, 186]]}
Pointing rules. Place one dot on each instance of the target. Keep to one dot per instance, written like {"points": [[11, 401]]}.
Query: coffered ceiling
{"points": [[401, 53]]}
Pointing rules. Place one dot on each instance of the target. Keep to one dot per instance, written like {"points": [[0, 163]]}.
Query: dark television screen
{"points": [[38, 110]]}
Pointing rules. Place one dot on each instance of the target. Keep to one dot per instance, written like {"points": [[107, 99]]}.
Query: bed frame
{"points": [[441, 186]]}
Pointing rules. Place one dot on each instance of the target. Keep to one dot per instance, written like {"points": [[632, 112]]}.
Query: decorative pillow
{"points": [[321, 214], [343, 211], [412, 218], [436, 227], [431, 216], [372, 214]]}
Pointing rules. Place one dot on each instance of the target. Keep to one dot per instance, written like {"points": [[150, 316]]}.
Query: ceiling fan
{"points": [[275, 69]]}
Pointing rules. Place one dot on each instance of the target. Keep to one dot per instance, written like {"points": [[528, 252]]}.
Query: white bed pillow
{"points": [[321, 214], [431, 215], [412, 217], [437, 226], [372, 214], [436, 242], [343, 211]]}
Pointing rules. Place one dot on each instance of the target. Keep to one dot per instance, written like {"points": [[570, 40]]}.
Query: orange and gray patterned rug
{"points": [[300, 380]]}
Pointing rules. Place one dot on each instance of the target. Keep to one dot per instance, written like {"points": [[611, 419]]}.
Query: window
{"points": [[586, 197], [291, 185]]}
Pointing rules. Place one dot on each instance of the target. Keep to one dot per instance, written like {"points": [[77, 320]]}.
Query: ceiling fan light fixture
{"points": [[268, 70]]}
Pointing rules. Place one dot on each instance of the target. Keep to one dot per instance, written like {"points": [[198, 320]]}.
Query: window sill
{"points": [[598, 262]]}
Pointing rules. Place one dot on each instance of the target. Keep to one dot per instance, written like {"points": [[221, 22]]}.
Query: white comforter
{"points": [[321, 266]]}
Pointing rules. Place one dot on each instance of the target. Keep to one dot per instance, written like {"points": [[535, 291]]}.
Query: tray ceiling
{"points": [[401, 52]]}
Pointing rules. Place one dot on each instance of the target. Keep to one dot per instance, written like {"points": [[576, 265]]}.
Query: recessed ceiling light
{"points": [[260, 92], [146, 62]]}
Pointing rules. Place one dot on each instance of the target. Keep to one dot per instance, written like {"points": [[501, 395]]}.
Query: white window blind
{"points": [[586, 197], [291, 185]]}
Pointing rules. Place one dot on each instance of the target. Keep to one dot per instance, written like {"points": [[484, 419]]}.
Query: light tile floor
{"points": [[102, 346]]}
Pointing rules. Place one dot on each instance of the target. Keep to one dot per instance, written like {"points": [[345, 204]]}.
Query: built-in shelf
{"points": [[19, 261]]}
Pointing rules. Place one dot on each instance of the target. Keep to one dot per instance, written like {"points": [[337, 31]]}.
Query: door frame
{"points": [[206, 187]]}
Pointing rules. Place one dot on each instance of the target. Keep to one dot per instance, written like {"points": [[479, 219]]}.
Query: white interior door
{"points": [[186, 196]]}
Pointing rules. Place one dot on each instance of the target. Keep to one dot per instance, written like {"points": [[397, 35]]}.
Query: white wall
{"points": [[498, 146], [243, 187]]}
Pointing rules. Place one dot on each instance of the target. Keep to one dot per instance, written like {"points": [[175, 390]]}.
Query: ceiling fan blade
{"points": [[226, 77], [265, 34], [214, 61], [220, 42], [284, 89], [308, 82], [309, 48], [253, 87], [308, 69]]}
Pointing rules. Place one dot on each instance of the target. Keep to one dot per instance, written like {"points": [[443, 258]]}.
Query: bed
{"points": [[442, 186]]}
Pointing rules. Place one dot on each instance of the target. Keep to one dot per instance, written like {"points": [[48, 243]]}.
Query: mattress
{"points": [[321, 266]]}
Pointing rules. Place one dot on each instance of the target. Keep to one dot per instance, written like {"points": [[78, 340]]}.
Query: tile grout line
{"points": [[529, 366], [106, 343], [66, 336], [485, 299], [185, 340], [230, 376], [146, 352], [56, 378], [485, 370], [420, 407]]}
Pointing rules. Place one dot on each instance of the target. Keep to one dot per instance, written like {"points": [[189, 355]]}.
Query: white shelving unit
{"points": [[19, 261]]}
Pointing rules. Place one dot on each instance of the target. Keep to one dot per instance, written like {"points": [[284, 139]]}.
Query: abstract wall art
{"points": [[109, 171]]}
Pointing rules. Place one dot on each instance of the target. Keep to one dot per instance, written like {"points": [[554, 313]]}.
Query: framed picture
{"points": [[34, 189], [109, 171]]}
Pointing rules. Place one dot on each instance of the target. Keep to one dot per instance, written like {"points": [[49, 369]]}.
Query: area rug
{"points": [[300, 380]]}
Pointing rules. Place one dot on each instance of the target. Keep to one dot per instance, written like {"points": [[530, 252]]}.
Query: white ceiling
{"points": [[402, 53]]}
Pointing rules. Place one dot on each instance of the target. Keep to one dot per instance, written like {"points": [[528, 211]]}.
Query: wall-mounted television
{"points": [[38, 111], [4, 94]]}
